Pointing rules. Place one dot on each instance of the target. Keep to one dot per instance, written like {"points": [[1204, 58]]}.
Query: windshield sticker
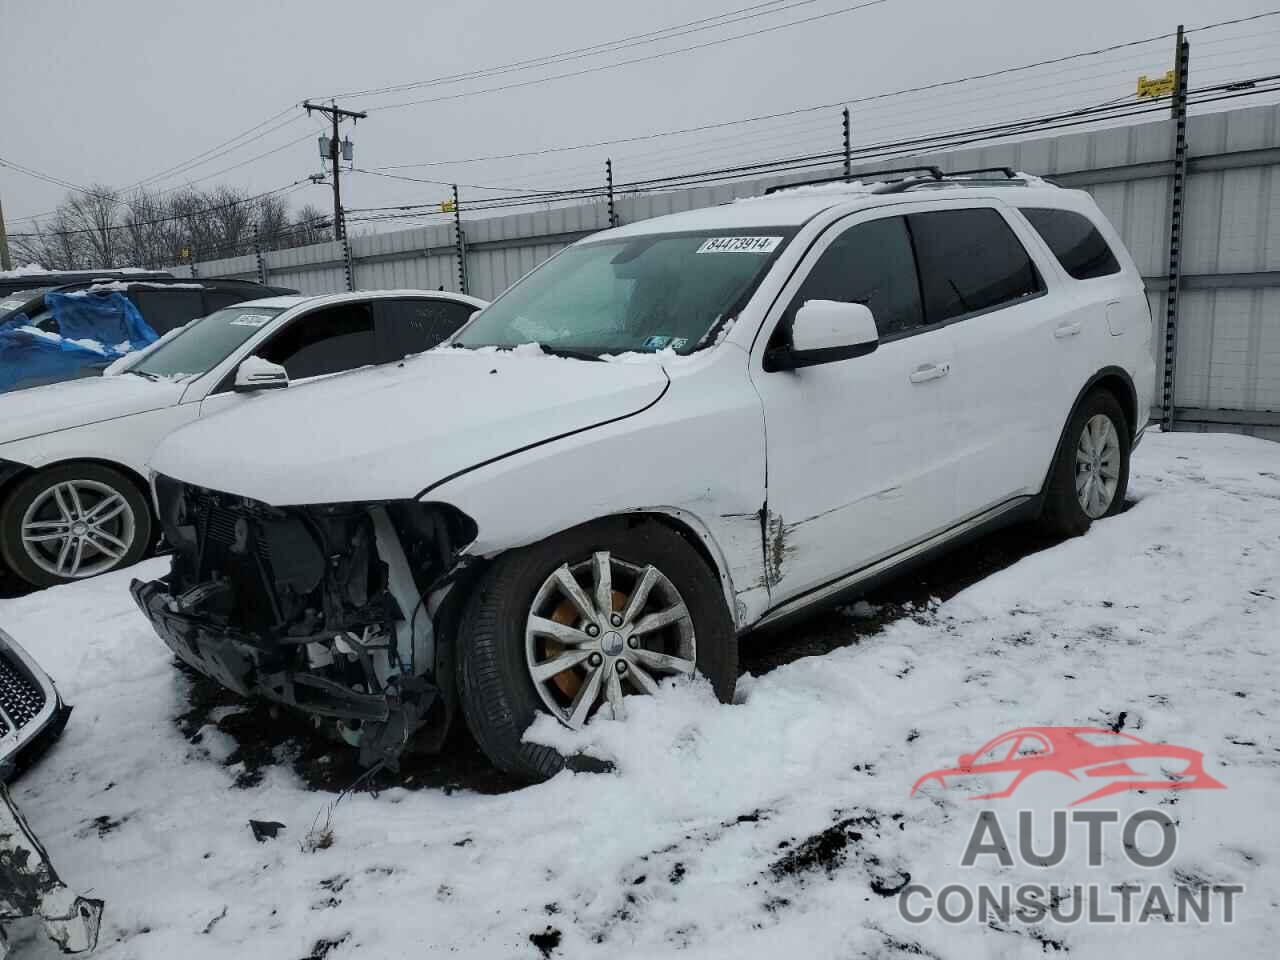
{"points": [[679, 343], [656, 343], [250, 320], [740, 245]]}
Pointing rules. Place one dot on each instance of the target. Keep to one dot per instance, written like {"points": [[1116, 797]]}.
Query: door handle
{"points": [[930, 371], [1069, 329]]}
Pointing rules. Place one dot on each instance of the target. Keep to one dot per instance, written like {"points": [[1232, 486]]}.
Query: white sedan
{"points": [[73, 490]]}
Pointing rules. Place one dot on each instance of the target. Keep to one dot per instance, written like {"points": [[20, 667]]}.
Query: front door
{"points": [[858, 450], [317, 344]]}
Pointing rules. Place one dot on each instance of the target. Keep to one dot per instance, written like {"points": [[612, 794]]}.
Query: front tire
{"points": [[71, 522], [1091, 472], [573, 624]]}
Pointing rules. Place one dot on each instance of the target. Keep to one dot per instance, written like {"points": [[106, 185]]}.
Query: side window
{"points": [[871, 264], [411, 326], [1075, 241], [969, 260], [165, 310], [325, 341]]}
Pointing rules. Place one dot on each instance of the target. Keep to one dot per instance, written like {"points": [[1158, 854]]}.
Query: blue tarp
{"points": [[109, 319]]}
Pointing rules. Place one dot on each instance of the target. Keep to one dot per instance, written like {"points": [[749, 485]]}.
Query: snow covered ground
{"points": [[779, 825]]}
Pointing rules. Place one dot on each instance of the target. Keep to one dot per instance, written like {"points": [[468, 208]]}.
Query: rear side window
{"points": [[870, 264], [1075, 241], [412, 326], [969, 260]]}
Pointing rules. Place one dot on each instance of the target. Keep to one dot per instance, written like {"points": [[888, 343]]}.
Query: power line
{"points": [[634, 60], [610, 46], [922, 88]]}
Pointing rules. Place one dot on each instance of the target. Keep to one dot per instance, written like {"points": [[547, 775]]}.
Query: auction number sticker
{"points": [[250, 320], [740, 245]]}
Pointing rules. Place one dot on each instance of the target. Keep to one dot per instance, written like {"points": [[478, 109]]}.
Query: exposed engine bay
{"points": [[327, 608]]}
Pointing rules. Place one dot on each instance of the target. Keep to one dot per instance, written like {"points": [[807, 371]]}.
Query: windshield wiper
{"points": [[149, 376], [570, 353]]}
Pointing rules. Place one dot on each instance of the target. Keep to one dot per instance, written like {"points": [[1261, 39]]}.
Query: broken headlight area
{"points": [[325, 608]]}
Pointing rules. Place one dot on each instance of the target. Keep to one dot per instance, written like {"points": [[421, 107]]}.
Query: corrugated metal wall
{"points": [[1228, 361]]}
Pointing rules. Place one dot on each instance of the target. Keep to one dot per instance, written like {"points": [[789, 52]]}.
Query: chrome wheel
{"points": [[602, 625], [77, 529], [1097, 466]]}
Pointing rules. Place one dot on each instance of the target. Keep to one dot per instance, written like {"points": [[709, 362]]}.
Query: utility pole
{"points": [[335, 114], [5, 262], [459, 242], [1177, 194]]}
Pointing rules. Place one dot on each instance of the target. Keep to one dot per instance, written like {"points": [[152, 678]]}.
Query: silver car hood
{"points": [[390, 432]]}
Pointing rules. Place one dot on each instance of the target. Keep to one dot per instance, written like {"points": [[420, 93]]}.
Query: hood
{"points": [[75, 403], [389, 432]]}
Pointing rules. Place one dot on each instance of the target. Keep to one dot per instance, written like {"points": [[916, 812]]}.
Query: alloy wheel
{"points": [[600, 625], [1097, 466], [78, 528]]}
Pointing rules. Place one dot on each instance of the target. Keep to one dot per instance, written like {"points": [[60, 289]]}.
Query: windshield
{"points": [[650, 293], [202, 345]]}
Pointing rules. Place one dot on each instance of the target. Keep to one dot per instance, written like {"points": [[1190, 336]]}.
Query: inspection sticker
{"points": [[740, 245], [250, 320]]}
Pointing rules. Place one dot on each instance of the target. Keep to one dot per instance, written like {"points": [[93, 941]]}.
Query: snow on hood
{"points": [[389, 432], [74, 403]]}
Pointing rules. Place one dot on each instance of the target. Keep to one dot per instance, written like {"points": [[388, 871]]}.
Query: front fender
{"points": [[697, 458]]}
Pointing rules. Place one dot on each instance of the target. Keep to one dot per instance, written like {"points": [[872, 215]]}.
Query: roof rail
{"points": [[1007, 178], [934, 173], [1007, 171]]}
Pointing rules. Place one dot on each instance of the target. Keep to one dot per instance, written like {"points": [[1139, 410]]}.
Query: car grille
{"points": [[249, 572], [21, 699]]}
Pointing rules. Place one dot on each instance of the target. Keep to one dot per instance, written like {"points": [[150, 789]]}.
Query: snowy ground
{"points": [[779, 824]]}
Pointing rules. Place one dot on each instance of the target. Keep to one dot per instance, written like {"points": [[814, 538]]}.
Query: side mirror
{"points": [[258, 374], [825, 331]]}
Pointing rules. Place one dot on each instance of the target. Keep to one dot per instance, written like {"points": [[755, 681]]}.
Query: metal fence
{"points": [[1228, 333]]}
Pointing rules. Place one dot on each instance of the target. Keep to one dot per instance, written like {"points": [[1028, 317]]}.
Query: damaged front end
{"points": [[326, 608], [32, 716]]}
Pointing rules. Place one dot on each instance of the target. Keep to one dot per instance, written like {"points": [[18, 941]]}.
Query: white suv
{"points": [[806, 392]]}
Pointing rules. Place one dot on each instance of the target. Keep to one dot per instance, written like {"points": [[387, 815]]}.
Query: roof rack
{"points": [[1008, 178], [934, 173]]}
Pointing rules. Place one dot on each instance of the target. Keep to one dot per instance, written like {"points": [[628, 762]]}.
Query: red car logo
{"points": [[1085, 754]]}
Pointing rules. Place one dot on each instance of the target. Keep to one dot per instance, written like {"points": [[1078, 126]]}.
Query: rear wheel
{"points": [[72, 522], [576, 624], [1091, 472]]}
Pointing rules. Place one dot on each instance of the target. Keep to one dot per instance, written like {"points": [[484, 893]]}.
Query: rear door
{"points": [[979, 278], [414, 324]]}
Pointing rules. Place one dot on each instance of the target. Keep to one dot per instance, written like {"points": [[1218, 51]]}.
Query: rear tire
{"points": [[1091, 467], [499, 650], [97, 512]]}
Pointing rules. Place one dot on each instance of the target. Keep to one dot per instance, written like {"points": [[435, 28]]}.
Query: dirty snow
{"points": [[771, 827]]}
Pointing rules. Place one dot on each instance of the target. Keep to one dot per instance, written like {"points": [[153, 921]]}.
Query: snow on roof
{"points": [[35, 270]]}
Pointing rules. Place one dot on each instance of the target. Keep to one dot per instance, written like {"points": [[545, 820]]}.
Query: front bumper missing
{"points": [[245, 666], [251, 668]]}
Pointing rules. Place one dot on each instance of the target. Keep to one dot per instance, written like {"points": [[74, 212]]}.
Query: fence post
{"points": [[262, 261], [1177, 197], [348, 265], [848, 148], [459, 242], [608, 179]]}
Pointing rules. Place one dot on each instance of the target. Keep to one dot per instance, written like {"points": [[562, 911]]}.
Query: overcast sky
{"points": [[115, 91]]}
